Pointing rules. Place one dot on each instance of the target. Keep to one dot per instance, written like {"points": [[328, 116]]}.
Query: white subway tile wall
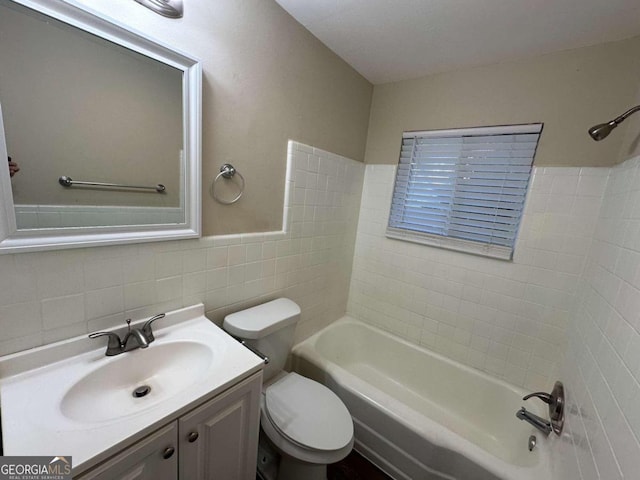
{"points": [[50, 296], [602, 369], [508, 319], [575, 275]]}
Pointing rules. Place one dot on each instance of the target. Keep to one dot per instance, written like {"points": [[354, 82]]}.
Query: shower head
{"points": [[602, 130]]}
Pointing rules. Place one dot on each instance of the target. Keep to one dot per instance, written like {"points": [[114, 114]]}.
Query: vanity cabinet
{"points": [[220, 438], [216, 440], [152, 458]]}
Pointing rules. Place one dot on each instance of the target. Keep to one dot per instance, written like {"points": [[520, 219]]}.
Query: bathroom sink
{"points": [[71, 396], [136, 381]]}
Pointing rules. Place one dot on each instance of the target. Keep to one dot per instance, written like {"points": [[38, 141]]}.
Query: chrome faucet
{"points": [[135, 335], [555, 400], [134, 338], [540, 423]]}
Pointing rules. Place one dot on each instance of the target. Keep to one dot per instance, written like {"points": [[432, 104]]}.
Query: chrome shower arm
{"points": [[626, 114], [602, 130]]}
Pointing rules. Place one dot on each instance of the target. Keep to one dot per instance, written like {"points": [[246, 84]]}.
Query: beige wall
{"points": [[266, 80], [569, 91], [78, 106]]}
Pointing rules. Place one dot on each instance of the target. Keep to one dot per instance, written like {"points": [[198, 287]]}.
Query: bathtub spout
{"points": [[540, 423]]}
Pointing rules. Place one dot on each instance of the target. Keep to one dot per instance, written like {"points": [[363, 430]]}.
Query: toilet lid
{"points": [[308, 413]]}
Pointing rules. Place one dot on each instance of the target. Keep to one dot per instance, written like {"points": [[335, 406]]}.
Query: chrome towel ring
{"points": [[227, 171]]}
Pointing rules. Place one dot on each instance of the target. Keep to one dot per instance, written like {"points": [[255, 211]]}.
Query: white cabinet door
{"points": [[219, 440], [153, 458]]}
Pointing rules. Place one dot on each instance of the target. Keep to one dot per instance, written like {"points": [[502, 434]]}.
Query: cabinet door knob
{"points": [[192, 437], [168, 453]]}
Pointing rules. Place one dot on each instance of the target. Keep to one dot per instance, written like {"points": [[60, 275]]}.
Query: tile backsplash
{"points": [[506, 318], [49, 296], [57, 216]]}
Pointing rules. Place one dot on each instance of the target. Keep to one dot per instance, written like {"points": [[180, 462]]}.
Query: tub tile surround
{"points": [[508, 319], [50, 296], [603, 359]]}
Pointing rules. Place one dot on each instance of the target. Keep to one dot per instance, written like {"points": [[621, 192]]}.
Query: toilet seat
{"points": [[306, 420]]}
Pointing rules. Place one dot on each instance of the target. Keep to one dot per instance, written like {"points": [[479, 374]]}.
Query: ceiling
{"points": [[390, 40]]}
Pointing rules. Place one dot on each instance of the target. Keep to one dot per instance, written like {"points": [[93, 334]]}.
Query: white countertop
{"points": [[33, 384]]}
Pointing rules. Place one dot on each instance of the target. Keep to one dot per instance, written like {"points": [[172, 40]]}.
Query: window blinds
{"points": [[463, 189]]}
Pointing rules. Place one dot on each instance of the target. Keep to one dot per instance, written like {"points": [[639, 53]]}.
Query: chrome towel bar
{"points": [[68, 182]]}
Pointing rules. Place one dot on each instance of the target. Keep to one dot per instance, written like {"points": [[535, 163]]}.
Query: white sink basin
{"points": [[107, 392]]}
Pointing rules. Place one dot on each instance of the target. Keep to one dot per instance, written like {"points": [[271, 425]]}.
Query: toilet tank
{"points": [[269, 328]]}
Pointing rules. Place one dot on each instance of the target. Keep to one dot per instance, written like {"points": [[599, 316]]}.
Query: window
{"points": [[463, 189]]}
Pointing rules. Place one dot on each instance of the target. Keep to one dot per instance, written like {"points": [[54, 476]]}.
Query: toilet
{"points": [[303, 419]]}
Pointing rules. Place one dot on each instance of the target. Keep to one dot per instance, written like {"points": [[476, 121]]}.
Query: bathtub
{"points": [[419, 415]]}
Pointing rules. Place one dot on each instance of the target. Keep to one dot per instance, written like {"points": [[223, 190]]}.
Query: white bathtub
{"points": [[418, 415]]}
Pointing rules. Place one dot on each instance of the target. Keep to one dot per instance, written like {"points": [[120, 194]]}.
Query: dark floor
{"points": [[355, 467]]}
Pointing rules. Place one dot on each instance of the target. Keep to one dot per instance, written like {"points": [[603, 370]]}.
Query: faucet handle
{"points": [[146, 328], [545, 397], [115, 346], [555, 400]]}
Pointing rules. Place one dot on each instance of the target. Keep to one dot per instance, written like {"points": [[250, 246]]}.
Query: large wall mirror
{"points": [[104, 125]]}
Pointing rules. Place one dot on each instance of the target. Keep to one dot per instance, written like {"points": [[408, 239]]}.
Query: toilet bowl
{"points": [[306, 422]]}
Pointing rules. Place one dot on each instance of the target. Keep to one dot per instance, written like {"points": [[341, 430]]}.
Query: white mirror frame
{"points": [[13, 240]]}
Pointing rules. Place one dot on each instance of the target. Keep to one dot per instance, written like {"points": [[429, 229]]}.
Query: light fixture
{"points": [[166, 8]]}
